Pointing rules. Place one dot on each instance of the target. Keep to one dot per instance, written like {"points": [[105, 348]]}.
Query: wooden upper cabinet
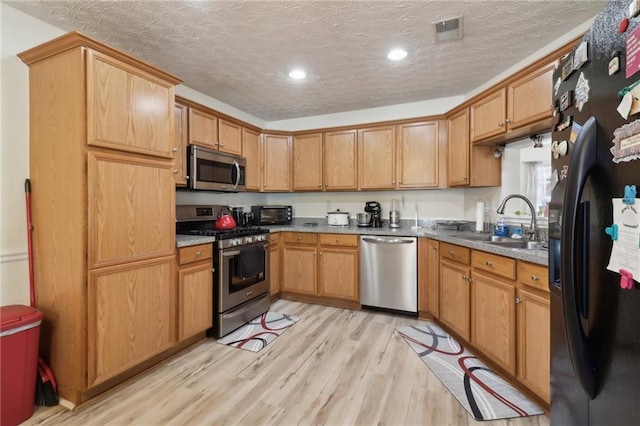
{"points": [[458, 153], [229, 137], [127, 219], [276, 163], [180, 140], [529, 98], [251, 151], [376, 158], [127, 108], [307, 162], [203, 129], [417, 155], [488, 115], [340, 159]]}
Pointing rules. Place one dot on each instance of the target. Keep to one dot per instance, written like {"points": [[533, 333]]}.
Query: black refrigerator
{"points": [[595, 299]]}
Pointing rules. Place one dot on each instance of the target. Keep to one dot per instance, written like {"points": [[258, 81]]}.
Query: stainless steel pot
{"points": [[338, 218], [364, 219]]}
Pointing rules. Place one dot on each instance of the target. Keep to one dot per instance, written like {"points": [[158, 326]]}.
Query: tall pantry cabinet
{"points": [[101, 167]]}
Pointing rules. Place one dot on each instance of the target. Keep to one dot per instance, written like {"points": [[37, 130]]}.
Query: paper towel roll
{"points": [[480, 216]]}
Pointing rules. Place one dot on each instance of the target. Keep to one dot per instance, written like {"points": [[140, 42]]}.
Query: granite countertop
{"points": [[405, 230]]}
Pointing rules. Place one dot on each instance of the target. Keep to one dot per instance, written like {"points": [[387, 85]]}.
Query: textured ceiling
{"points": [[240, 52]]}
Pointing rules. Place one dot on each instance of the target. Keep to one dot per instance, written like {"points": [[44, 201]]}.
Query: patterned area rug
{"points": [[259, 332], [484, 394]]}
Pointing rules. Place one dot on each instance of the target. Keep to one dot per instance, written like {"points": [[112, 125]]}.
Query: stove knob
{"points": [[233, 242], [248, 240], [262, 237]]}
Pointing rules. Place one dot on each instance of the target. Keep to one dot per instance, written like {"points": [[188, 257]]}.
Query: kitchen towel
{"points": [[480, 216], [250, 261]]}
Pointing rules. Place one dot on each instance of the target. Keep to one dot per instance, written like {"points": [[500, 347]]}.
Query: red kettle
{"points": [[225, 220]]}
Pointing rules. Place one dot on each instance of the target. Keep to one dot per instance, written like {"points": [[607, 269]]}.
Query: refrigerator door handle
{"points": [[583, 160]]}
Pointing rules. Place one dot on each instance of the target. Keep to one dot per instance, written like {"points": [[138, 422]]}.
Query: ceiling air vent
{"points": [[448, 30]]}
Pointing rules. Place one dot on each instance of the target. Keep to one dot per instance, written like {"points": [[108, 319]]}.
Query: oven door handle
{"points": [[230, 253]]}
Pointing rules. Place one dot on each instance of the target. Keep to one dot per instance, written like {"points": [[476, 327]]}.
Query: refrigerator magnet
{"points": [[582, 92], [625, 253], [556, 116], [581, 55], [559, 149], [614, 63], [557, 86], [566, 123], [575, 131], [626, 142], [566, 100], [567, 67]]}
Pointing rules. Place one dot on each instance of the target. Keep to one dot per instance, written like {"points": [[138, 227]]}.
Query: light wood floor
{"points": [[335, 367]]}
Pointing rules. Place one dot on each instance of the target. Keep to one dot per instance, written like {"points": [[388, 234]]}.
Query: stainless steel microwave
{"points": [[272, 215], [210, 170]]}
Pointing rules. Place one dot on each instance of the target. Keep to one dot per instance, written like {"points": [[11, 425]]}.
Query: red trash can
{"points": [[19, 340]]}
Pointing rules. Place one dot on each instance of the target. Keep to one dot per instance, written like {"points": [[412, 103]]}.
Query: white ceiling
{"points": [[240, 52]]}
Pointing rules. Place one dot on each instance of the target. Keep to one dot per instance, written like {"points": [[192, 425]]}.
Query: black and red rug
{"points": [[259, 332], [483, 393]]}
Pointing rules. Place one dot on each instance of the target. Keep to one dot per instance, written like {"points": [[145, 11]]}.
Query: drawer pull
{"points": [[298, 238], [198, 253], [488, 263], [337, 240], [535, 278], [451, 253], [518, 300]]}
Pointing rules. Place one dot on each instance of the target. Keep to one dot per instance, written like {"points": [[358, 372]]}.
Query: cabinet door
{"points": [[131, 209], [195, 299], [529, 98], [340, 160], [307, 162], [203, 129], [274, 264], [277, 163], [127, 109], [534, 341], [423, 275], [180, 140], [251, 151], [417, 158], [229, 137], [493, 320], [488, 115], [299, 275], [376, 158], [458, 152], [455, 297], [131, 316], [339, 268], [433, 277]]}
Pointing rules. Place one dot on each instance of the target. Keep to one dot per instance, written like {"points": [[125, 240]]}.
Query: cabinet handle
{"points": [[320, 253], [500, 124], [315, 252], [175, 171], [535, 278], [488, 263], [319, 185], [325, 185], [433, 248], [393, 182], [400, 182], [451, 253], [337, 240], [298, 238], [508, 121], [518, 300], [464, 177], [213, 269], [174, 149], [265, 185], [221, 145], [198, 253]]}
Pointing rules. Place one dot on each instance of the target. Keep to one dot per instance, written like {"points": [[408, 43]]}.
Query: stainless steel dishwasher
{"points": [[389, 272]]}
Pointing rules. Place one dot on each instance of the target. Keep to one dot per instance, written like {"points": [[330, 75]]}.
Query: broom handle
{"points": [[32, 288]]}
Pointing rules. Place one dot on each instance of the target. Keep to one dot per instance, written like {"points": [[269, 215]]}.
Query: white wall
{"points": [[19, 32]]}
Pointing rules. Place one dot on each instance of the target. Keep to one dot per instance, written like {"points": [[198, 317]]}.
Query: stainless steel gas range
{"points": [[240, 267]]}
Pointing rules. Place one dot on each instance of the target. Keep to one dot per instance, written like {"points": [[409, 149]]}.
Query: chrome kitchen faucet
{"points": [[534, 225]]}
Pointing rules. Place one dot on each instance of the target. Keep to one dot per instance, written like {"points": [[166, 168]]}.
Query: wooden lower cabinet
{"points": [[195, 290], [325, 265], [122, 331], [429, 276], [493, 319], [274, 264], [455, 297]]}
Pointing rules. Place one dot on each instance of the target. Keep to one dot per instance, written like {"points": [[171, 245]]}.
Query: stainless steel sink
{"points": [[502, 241]]}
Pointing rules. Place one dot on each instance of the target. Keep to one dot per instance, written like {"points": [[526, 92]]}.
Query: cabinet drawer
{"points": [[495, 264], [300, 238], [533, 275], [344, 240], [457, 253], [194, 253]]}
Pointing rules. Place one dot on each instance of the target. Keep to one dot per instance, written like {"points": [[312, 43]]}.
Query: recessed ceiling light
{"points": [[297, 74], [397, 54]]}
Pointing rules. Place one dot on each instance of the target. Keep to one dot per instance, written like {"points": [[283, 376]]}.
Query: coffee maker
{"points": [[374, 208]]}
